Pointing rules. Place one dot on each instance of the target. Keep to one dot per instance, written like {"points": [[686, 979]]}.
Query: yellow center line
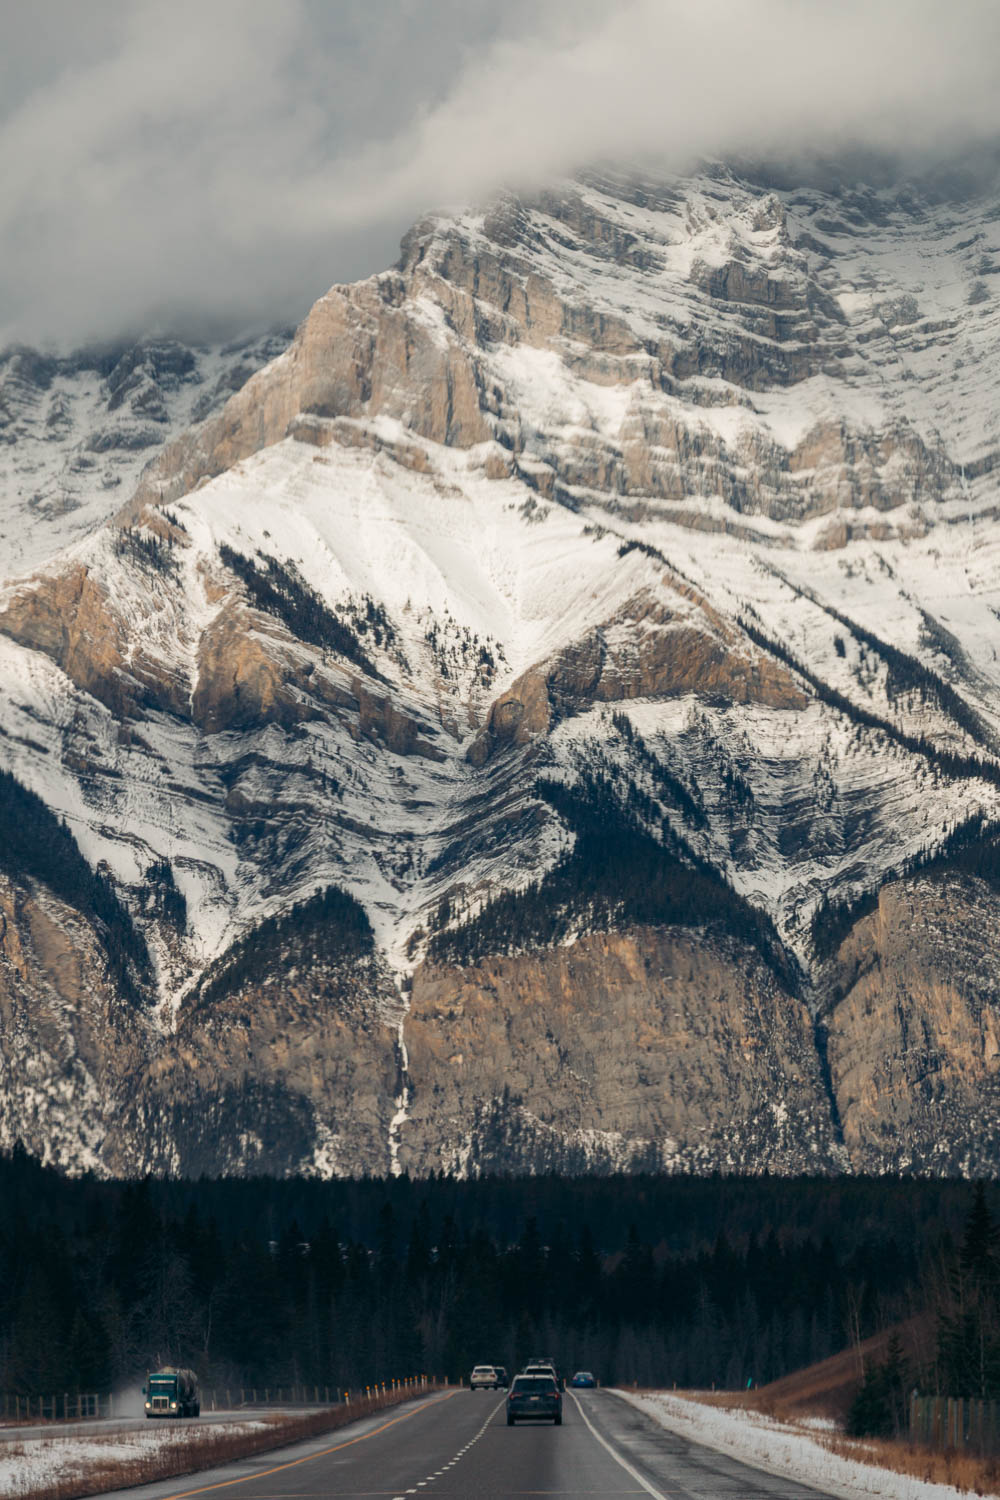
{"points": [[293, 1463]]}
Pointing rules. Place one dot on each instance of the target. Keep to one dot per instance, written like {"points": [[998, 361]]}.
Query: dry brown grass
{"points": [[965, 1471], [826, 1389], [200, 1448], [968, 1472]]}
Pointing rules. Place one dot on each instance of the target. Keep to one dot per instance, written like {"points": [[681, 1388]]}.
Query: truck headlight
{"points": [[173, 1406]]}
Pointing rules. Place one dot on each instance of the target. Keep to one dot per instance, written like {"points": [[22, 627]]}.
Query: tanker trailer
{"points": [[172, 1393]]}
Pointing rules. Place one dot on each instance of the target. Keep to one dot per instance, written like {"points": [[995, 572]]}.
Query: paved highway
{"points": [[459, 1445]]}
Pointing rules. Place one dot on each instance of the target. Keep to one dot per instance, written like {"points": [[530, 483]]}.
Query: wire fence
{"points": [[68, 1406]]}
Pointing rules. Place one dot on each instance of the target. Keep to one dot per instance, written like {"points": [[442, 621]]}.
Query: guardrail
{"points": [[960, 1422]]}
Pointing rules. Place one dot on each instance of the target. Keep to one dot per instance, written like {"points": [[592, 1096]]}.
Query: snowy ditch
{"points": [[45, 1465], [796, 1452], [70, 1467]]}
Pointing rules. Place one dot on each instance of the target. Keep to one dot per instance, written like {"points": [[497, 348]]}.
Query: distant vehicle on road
{"points": [[484, 1378], [534, 1398], [583, 1380], [545, 1367], [503, 1379], [172, 1393]]}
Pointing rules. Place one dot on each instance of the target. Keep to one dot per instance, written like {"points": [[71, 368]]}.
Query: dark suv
{"points": [[534, 1398]]}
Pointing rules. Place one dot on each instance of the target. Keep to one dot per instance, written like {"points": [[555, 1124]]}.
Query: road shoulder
{"points": [[772, 1448]]}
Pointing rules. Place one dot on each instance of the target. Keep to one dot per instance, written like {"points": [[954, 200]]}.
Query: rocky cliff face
{"points": [[644, 1049], [298, 1075], [604, 600], [70, 1047], [914, 1046]]}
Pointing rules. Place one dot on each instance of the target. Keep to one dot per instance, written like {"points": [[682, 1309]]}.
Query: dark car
{"points": [[534, 1398], [503, 1379], [583, 1380]]}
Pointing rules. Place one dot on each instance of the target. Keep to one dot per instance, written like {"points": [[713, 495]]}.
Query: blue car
{"points": [[583, 1380]]}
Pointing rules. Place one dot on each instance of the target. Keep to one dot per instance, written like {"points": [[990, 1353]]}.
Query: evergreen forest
{"points": [[699, 1281]]}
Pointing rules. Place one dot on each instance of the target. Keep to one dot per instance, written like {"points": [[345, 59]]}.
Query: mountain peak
{"points": [[593, 609]]}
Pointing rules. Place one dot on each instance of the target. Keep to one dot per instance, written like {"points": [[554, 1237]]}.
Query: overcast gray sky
{"points": [[201, 160]]}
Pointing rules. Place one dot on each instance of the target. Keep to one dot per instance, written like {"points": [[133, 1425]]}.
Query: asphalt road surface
{"points": [[459, 1445]]}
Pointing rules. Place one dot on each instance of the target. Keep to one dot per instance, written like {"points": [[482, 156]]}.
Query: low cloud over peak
{"points": [[231, 160]]}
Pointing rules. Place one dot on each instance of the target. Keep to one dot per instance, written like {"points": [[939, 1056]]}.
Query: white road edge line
{"points": [[622, 1462]]}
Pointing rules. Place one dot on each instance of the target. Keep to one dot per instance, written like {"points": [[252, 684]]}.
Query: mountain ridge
{"points": [[685, 485]]}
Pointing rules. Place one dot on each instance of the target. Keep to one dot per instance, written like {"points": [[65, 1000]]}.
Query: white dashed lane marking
{"points": [[439, 1473]]}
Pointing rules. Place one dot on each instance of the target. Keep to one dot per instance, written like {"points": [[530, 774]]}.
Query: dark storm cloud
{"points": [[228, 159]]}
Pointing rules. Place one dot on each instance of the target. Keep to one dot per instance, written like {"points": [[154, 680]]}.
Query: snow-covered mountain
{"points": [[548, 715], [77, 431]]}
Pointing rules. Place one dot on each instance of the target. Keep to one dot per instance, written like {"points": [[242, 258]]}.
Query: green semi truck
{"points": [[172, 1393]]}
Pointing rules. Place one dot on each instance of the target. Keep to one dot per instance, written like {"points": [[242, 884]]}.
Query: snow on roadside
{"points": [[766, 1444], [33, 1463]]}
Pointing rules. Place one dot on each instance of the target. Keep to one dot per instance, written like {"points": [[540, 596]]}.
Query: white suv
{"points": [[484, 1378]]}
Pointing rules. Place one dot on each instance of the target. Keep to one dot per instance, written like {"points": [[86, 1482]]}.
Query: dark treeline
{"points": [[264, 1282], [148, 549], [962, 1296], [281, 591], [906, 673], [615, 873], [324, 928], [971, 848], [36, 844], [686, 799], [953, 765]]}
